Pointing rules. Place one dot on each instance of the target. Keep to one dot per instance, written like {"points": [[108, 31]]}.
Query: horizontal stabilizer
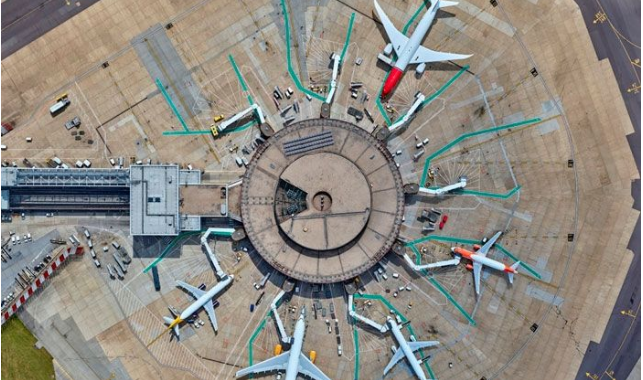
{"points": [[176, 332], [511, 274]]}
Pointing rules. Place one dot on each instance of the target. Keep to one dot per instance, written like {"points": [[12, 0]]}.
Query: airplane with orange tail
{"points": [[479, 259]]}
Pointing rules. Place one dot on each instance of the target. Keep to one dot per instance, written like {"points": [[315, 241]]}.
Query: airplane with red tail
{"points": [[409, 49]]}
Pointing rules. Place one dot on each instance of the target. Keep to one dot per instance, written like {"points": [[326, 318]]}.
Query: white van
{"points": [[60, 105]]}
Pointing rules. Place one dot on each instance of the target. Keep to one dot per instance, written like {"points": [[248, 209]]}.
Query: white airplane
{"points": [[292, 362], [409, 50], [407, 350], [203, 300], [479, 259]]}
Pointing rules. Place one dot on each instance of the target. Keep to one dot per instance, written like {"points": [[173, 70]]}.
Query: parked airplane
{"points": [[407, 350], [479, 258], [292, 362], [409, 50], [203, 300]]}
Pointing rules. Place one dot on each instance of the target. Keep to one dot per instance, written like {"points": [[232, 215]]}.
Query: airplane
{"points": [[292, 361], [409, 50], [407, 349], [203, 300], [479, 259]]}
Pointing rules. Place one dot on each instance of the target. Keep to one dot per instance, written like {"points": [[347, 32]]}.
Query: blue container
{"points": [[155, 276]]}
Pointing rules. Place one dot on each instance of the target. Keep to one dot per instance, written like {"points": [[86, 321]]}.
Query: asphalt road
{"points": [[620, 347], [24, 21]]}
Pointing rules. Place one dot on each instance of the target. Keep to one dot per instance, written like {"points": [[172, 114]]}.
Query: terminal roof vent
{"points": [[308, 143]]}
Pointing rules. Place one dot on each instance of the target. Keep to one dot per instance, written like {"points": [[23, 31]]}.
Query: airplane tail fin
{"points": [[511, 274], [445, 3]]}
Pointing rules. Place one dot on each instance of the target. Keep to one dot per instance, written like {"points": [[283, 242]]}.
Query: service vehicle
{"points": [[73, 123]]}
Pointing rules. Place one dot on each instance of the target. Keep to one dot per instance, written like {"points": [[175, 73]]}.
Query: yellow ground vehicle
{"points": [[218, 118], [215, 130], [61, 97]]}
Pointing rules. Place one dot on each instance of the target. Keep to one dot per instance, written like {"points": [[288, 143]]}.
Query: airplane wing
{"points": [[209, 308], [420, 345], [195, 292], [425, 55], [399, 355], [477, 273], [487, 246], [307, 368], [279, 362], [397, 38]]}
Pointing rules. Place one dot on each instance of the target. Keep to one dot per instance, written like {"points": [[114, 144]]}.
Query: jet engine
{"points": [[388, 49], [420, 68]]}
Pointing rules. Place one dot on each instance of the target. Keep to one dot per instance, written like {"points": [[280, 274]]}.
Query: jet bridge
{"points": [[419, 98], [216, 129], [280, 326], [361, 318], [204, 243], [461, 184], [438, 264], [336, 58]]}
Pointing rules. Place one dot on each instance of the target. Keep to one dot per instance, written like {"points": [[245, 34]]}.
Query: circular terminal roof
{"points": [[322, 200]]}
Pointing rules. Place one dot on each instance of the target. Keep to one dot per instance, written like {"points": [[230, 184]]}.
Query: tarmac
{"points": [[123, 316], [24, 21], [620, 350]]}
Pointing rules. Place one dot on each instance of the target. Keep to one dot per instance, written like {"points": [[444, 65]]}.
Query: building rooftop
{"points": [[322, 201], [154, 200]]}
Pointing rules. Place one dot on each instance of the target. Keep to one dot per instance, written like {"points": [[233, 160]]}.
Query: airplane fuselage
{"points": [[207, 297], [491, 263], [404, 346], [409, 50], [295, 349]]}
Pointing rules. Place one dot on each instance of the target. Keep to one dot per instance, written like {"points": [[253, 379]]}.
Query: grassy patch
{"points": [[20, 358]]}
